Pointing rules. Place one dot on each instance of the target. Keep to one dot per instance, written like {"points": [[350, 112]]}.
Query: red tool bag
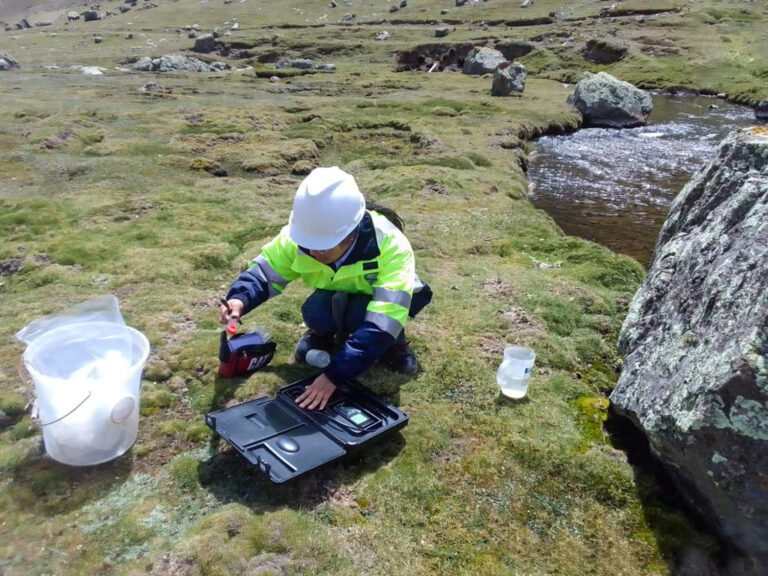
{"points": [[244, 353]]}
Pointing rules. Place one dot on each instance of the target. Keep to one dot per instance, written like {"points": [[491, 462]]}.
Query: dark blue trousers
{"points": [[318, 313]]}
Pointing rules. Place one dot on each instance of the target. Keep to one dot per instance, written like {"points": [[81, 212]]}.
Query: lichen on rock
{"points": [[696, 342]]}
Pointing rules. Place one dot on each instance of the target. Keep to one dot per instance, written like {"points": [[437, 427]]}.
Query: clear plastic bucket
{"points": [[87, 379], [514, 373]]}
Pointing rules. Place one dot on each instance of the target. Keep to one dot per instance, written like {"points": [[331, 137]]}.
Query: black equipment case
{"points": [[284, 441]]}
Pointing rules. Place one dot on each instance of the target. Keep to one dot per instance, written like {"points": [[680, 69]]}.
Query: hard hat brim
{"points": [[319, 243]]}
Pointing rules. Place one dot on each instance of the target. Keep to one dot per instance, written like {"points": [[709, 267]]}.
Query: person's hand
{"points": [[316, 395], [234, 313]]}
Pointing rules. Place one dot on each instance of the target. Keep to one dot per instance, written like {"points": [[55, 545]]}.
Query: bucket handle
{"points": [[28, 381], [68, 413]]}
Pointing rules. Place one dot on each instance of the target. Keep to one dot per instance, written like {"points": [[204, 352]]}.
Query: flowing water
{"points": [[614, 187]]}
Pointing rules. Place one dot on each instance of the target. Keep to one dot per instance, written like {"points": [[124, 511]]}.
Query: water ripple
{"points": [[615, 186]]}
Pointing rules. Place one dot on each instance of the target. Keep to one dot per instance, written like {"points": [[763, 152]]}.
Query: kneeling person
{"points": [[363, 271]]}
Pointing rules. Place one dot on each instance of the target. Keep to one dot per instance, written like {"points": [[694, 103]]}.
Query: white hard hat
{"points": [[328, 206]]}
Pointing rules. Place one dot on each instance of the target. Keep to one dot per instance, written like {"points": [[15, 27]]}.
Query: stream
{"points": [[614, 187]]}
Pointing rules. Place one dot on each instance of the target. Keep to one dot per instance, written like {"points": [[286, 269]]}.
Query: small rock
{"points": [[97, 39], [73, 16], [444, 11], [761, 110], [713, 106], [274, 79], [639, 19], [153, 87], [195, 27], [123, 9], [235, 26], [461, 2], [90, 70], [129, 36], [191, 34], [205, 44], [302, 64], [10, 266], [333, 4], [526, 4], [442, 32], [43, 23], [7, 62], [383, 35], [508, 77], [326, 66], [393, 9], [347, 17], [91, 15]]}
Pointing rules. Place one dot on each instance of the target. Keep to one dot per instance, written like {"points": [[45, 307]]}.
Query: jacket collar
{"points": [[366, 246]]}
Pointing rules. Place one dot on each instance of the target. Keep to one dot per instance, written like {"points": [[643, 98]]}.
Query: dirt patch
{"points": [[497, 287], [602, 51], [523, 330], [456, 449], [448, 57], [169, 565], [59, 140], [436, 188], [269, 563], [321, 489]]}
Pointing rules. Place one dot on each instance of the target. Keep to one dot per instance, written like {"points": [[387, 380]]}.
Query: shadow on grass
{"points": [[502, 400], [687, 545], [230, 478], [47, 488]]}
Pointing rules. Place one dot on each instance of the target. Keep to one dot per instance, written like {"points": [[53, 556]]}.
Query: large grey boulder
{"points": [[761, 110], [7, 62], [508, 77], [695, 340], [606, 101], [482, 60], [176, 63]]}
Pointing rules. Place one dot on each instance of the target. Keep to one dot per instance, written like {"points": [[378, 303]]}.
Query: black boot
{"points": [[311, 341], [401, 358]]}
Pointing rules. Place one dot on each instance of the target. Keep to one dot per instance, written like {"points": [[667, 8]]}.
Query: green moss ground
{"points": [[475, 484]]}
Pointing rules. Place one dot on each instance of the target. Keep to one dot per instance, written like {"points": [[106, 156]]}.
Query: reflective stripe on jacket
{"points": [[380, 264]]}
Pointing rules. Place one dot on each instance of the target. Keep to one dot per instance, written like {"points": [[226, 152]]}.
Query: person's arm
{"points": [[269, 274]]}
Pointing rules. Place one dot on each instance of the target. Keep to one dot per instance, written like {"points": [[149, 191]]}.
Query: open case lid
{"points": [[284, 441]]}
